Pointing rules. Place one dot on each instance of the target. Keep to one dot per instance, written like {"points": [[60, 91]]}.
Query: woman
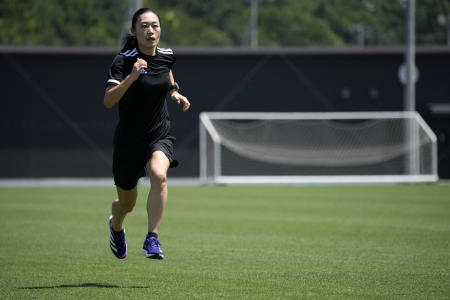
{"points": [[139, 79]]}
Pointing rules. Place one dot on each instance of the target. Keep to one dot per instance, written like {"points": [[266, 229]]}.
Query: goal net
{"points": [[250, 147]]}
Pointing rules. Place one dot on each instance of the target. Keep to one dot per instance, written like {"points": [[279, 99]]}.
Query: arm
{"points": [[114, 93], [176, 96]]}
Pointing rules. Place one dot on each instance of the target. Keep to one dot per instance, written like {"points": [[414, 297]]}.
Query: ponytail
{"points": [[129, 42]]}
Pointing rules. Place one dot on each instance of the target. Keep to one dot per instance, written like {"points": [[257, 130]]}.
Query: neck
{"points": [[150, 51]]}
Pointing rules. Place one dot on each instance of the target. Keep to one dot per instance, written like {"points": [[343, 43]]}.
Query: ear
{"points": [[133, 31]]}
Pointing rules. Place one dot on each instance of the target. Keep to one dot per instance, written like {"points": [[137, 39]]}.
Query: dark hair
{"points": [[130, 41]]}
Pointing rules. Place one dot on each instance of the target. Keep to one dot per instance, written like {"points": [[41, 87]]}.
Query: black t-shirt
{"points": [[143, 108]]}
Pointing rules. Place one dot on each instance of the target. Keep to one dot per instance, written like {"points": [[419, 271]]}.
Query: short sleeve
{"points": [[172, 60], [117, 71], [167, 56]]}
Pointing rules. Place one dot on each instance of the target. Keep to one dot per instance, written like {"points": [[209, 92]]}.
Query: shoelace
{"points": [[154, 243]]}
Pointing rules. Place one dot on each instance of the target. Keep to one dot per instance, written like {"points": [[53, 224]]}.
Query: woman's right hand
{"points": [[114, 93], [137, 67]]}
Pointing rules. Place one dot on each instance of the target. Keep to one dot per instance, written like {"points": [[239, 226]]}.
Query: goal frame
{"points": [[206, 127]]}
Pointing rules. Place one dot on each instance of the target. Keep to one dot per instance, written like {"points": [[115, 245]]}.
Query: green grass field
{"points": [[247, 242]]}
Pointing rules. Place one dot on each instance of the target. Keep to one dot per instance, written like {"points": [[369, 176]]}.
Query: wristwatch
{"points": [[174, 86]]}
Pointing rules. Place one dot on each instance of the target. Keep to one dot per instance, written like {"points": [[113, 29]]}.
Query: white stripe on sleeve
{"points": [[113, 81]]}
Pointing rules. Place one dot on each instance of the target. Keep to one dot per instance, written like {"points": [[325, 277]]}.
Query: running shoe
{"points": [[151, 248], [117, 241]]}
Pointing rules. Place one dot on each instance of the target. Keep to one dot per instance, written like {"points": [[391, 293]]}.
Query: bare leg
{"points": [[157, 167], [122, 206]]}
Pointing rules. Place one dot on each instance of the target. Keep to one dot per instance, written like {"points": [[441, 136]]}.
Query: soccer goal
{"points": [[338, 147]]}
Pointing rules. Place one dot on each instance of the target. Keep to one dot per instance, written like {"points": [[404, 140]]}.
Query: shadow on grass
{"points": [[82, 285]]}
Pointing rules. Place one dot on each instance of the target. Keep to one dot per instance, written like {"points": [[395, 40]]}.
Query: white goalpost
{"points": [[336, 147]]}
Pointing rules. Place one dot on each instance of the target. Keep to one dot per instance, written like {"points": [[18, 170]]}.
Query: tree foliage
{"points": [[60, 22], [224, 23]]}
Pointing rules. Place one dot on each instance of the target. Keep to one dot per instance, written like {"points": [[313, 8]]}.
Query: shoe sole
{"points": [[152, 256]]}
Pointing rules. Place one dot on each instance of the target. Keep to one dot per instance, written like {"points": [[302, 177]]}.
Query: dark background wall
{"points": [[54, 124]]}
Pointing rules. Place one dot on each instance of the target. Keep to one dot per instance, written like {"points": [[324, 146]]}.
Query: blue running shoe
{"points": [[117, 241], [151, 248]]}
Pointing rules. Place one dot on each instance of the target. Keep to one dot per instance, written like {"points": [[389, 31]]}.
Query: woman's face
{"points": [[147, 30]]}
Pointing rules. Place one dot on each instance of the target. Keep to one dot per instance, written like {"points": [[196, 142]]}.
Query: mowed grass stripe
{"points": [[252, 242]]}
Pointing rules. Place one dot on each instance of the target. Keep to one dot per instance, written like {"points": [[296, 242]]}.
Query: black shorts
{"points": [[131, 155]]}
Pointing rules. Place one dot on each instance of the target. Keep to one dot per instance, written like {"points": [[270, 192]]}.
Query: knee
{"points": [[158, 179]]}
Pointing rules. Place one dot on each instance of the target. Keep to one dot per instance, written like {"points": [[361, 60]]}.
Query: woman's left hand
{"points": [[180, 99]]}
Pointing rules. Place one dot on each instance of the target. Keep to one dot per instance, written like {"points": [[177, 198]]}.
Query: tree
{"points": [[224, 23], [60, 22]]}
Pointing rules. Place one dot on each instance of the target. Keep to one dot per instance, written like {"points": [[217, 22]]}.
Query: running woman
{"points": [[139, 80]]}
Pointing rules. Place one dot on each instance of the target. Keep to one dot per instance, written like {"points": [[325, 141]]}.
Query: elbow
{"points": [[107, 103], [111, 97]]}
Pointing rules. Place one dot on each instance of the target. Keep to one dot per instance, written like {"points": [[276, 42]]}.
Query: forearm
{"points": [[172, 80], [113, 94], [176, 96]]}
